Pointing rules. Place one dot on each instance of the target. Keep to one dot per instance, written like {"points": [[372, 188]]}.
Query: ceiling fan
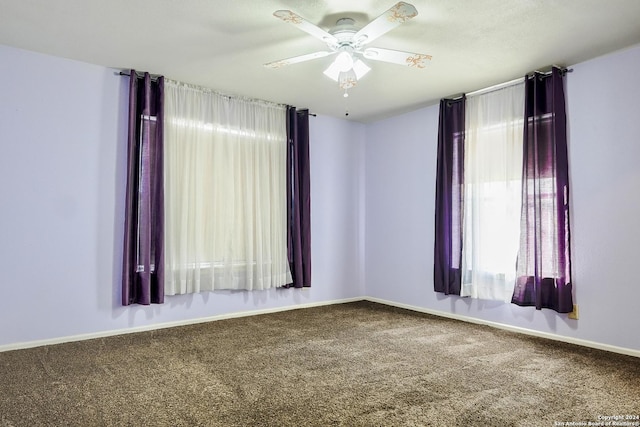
{"points": [[349, 43]]}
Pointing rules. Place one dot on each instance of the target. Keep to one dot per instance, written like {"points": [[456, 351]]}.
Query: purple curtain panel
{"points": [[449, 197], [298, 198], [143, 254], [544, 261]]}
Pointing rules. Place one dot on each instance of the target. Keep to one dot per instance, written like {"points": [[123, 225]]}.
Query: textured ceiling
{"points": [[223, 44]]}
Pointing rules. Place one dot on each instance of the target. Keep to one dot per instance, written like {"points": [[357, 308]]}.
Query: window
{"points": [[225, 192], [504, 239], [492, 187]]}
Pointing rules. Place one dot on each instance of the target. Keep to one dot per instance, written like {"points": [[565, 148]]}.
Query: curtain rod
{"points": [[509, 83], [496, 87], [155, 77], [128, 74]]}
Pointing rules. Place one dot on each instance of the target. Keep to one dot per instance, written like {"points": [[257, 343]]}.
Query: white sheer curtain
{"points": [[225, 192], [492, 192]]}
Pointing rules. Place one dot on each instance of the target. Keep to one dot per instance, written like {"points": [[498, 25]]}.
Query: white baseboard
{"points": [[555, 337], [145, 328]]}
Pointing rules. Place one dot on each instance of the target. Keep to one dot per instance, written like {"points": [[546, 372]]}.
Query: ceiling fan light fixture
{"points": [[344, 61], [360, 68], [332, 72], [347, 79]]}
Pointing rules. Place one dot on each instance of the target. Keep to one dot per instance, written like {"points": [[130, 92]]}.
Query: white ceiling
{"points": [[222, 44]]}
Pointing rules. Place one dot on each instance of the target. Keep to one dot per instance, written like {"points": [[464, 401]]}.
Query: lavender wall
{"points": [[62, 129], [604, 147]]}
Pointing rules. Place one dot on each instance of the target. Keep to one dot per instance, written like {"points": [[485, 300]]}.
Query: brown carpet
{"points": [[357, 364]]}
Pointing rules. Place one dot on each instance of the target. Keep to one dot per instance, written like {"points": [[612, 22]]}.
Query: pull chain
{"points": [[346, 106]]}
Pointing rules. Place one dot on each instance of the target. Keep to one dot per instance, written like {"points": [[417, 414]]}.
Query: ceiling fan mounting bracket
{"points": [[345, 22], [343, 33]]}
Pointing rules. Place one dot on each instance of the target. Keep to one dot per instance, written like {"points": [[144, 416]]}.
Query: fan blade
{"points": [[306, 26], [398, 14], [417, 60], [283, 62]]}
